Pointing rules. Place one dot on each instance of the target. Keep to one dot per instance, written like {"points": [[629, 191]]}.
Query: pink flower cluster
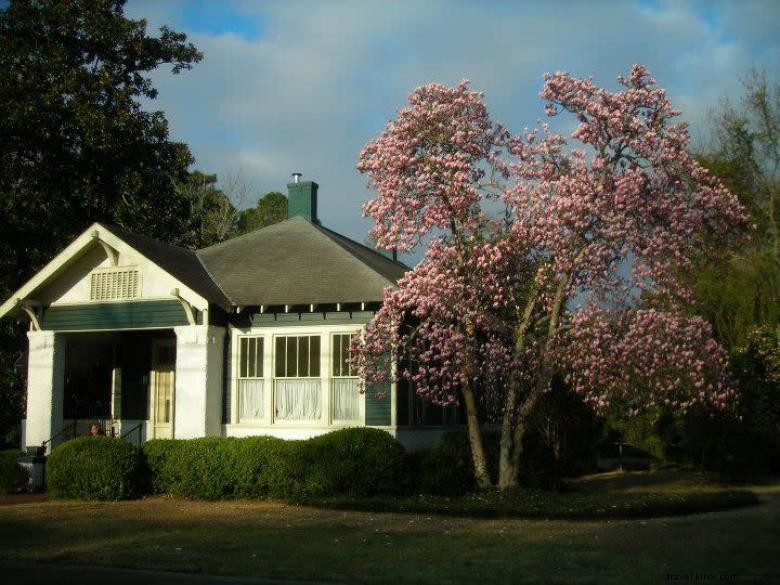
{"points": [[427, 164], [665, 358], [449, 320], [607, 220]]}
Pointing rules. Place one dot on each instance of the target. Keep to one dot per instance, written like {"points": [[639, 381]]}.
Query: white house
{"points": [[247, 337]]}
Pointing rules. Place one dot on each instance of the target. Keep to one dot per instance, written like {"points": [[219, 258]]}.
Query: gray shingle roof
{"points": [[181, 263], [296, 262]]}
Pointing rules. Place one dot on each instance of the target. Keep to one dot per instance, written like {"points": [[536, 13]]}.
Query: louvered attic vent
{"points": [[114, 284]]}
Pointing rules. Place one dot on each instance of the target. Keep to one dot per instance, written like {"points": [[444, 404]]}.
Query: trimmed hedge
{"points": [[355, 462], [13, 477], [95, 468]]}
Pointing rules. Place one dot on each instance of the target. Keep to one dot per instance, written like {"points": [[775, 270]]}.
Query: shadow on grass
{"points": [[532, 504]]}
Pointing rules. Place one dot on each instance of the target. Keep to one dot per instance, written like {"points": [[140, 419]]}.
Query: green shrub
{"points": [[350, 461], [13, 477], [94, 468], [161, 465], [355, 461]]}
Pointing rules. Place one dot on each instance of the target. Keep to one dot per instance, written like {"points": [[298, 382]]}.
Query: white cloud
{"points": [[323, 78]]}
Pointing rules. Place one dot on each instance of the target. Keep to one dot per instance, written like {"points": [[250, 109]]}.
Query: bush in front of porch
{"points": [[95, 468], [354, 462]]}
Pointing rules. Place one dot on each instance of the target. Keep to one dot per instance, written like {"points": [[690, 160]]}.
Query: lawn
{"points": [[271, 539]]}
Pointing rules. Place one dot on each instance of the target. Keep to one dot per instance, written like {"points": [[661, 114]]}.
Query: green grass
{"points": [[275, 540], [597, 497]]}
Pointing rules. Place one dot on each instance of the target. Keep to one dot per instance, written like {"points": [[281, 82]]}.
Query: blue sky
{"points": [[302, 85]]}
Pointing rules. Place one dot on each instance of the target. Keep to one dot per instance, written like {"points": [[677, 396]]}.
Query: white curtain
{"points": [[298, 398], [251, 400], [345, 399]]}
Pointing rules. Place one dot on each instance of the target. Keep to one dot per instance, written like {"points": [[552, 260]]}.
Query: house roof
{"points": [[294, 262], [298, 262], [180, 263]]}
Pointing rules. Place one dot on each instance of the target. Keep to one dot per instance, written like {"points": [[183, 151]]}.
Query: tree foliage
{"points": [[78, 146], [738, 292], [271, 208], [546, 290]]}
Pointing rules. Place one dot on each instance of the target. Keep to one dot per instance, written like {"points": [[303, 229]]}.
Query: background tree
{"points": [[77, 146], [739, 291], [580, 277], [271, 208], [214, 209]]}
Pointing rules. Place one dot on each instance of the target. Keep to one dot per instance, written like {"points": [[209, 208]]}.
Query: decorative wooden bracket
{"points": [[29, 309], [113, 254], [188, 308]]}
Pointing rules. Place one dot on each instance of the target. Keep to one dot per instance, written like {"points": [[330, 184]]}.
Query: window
{"points": [[345, 393], [107, 285], [341, 366], [251, 386], [298, 356], [297, 388]]}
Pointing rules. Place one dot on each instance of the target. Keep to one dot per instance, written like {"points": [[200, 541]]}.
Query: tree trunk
{"points": [[475, 441], [509, 464], [507, 470]]}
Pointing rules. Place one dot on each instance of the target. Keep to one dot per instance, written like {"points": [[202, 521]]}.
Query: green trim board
{"points": [[113, 316], [327, 318], [378, 405]]}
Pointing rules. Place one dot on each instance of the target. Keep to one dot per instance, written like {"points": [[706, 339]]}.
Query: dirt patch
{"points": [[14, 499]]}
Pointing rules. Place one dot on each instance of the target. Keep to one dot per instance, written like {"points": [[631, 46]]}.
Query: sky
{"points": [[302, 86]]}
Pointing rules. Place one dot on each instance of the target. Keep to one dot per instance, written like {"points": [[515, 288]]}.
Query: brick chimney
{"points": [[302, 199]]}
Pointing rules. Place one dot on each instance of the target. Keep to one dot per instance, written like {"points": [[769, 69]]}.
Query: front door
{"points": [[163, 385]]}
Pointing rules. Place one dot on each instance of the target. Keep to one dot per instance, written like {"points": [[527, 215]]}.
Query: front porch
{"points": [[134, 384]]}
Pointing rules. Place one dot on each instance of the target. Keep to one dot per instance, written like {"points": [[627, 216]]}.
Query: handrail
{"points": [[138, 428], [50, 441]]}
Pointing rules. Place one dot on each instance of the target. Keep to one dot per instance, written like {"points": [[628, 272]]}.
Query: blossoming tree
{"points": [[547, 257]]}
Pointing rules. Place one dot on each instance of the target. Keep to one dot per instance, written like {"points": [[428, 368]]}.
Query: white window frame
{"points": [[238, 377], [323, 377], [269, 334], [360, 420]]}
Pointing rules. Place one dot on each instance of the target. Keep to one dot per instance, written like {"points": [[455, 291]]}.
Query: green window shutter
{"points": [[379, 400]]}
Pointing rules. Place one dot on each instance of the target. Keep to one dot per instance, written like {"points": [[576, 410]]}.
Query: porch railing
{"points": [[49, 443], [134, 435]]}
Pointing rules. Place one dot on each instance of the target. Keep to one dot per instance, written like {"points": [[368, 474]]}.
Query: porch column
{"points": [[198, 398], [45, 386]]}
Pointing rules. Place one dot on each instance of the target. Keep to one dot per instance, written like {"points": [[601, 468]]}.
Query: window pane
{"points": [[259, 358], [242, 366], [280, 357], [298, 399], [251, 357], [314, 357], [345, 355], [292, 357], [303, 357], [336, 355], [251, 400], [345, 400]]}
